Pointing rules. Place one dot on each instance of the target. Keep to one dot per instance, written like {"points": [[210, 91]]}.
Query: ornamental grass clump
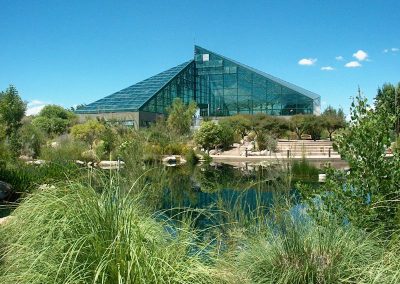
{"points": [[74, 234], [298, 252]]}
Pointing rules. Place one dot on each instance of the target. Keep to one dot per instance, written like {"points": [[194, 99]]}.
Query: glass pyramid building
{"points": [[220, 87]]}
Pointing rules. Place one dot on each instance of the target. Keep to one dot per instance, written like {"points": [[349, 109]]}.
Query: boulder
{"points": [[110, 164], [25, 158], [54, 144], [169, 160], [5, 190], [81, 163], [4, 220], [46, 186]]}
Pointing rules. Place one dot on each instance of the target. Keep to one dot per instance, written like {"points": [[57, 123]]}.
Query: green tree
{"points": [[88, 131], [388, 97], [299, 124], [240, 124], [180, 116], [314, 125], [12, 110], [54, 120], [368, 194], [333, 120], [208, 135], [226, 135], [31, 138]]}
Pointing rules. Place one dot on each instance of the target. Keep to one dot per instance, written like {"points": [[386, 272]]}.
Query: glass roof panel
{"points": [[133, 97]]}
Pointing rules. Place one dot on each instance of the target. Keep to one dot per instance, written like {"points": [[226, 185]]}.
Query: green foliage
{"points": [[66, 150], [54, 120], [208, 135], [314, 126], [227, 135], [388, 98], [191, 157], [180, 116], [88, 131], [274, 126], [240, 124], [73, 234], [25, 178], [299, 124], [333, 120], [266, 142], [12, 110], [368, 194], [303, 171], [294, 251], [31, 139]]}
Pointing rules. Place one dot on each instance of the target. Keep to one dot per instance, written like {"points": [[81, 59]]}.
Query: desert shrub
{"points": [[266, 142], [175, 149]]}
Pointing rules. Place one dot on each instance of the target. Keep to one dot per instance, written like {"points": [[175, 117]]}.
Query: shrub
{"points": [[266, 142]]}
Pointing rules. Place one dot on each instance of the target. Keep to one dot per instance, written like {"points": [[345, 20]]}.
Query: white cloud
{"points": [[353, 64], [307, 61], [395, 49], [339, 58], [34, 107], [386, 50], [327, 68], [360, 55]]}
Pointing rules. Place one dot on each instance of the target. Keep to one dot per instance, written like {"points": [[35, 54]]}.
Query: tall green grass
{"points": [[75, 235], [294, 252]]}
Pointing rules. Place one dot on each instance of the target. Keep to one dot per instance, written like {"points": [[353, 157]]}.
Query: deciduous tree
{"points": [[12, 110], [54, 120], [180, 116]]}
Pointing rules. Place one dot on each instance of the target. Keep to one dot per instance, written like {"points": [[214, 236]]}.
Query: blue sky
{"points": [[73, 52]]}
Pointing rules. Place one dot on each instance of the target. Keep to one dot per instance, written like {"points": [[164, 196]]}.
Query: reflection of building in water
{"points": [[220, 87]]}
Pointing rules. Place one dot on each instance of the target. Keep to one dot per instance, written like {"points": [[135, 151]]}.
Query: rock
{"points": [[36, 162], [169, 160], [39, 162], [263, 152], [54, 144], [5, 220], [81, 163], [213, 152], [110, 164], [46, 186], [25, 158], [5, 190]]}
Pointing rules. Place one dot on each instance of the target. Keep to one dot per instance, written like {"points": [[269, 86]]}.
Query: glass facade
{"points": [[181, 86], [225, 87], [220, 87]]}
